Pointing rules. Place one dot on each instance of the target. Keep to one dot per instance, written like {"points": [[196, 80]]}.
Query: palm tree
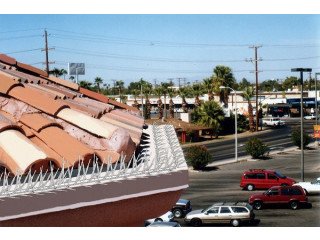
{"points": [[147, 92], [164, 90], [171, 93], [120, 85], [64, 73], [223, 77], [158, 92], [248, 93], [97, 82], [85, 84], [197, 91], [183, 92], [207, 82], [209, 114], [135, 93]]}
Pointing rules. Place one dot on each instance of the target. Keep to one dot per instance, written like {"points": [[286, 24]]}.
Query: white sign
{"points": [[76, 68]]}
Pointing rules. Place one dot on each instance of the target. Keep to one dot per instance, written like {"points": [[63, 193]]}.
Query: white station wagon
{"points": [[310, 187], [231, 213], [273, 122]]}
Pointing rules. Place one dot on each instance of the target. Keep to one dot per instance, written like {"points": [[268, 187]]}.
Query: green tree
{"points": [[171, 93], [119, 84], [256, 148], [247, 95], [137, 85], [147, 112], [85, 84], [208, 85], [296, 138], [244, 84], [290, 82], [183, 93], [135, 93], [270, 86], [197, 91], [97, 82], [197, 156], [223, 76], [209, 114], [164, 91], [158, 92]]}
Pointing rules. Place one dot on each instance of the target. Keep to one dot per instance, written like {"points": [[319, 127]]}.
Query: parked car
{"points": [[181, 208], [309, 117], [167, 217], [273, 122], [164, 224], [310, 187], [292, 196], [232, 213], [264, 179]]}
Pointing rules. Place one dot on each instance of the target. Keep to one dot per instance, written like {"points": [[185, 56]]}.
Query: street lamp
{"points": [[235, 121], [301, 70]]}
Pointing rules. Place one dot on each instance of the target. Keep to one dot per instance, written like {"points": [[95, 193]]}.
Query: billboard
{"points": [[76, 68], [316, 131]]}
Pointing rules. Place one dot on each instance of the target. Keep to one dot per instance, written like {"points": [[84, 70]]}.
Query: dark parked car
{"points": [[181, 208], [264, 179], [292, 196]]}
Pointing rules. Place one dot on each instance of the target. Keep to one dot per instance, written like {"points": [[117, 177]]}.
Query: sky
{"points": [[160, 47]]}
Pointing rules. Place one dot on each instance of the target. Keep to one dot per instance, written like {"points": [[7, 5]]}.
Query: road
{"points": [[277, 138], [222, 184]]}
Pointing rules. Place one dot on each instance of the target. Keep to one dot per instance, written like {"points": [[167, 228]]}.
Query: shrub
{"points": [[197, 156], [296, 138], [256, 148]]}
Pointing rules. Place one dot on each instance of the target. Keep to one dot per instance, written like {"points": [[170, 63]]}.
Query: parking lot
{"points": [[222, 184]]}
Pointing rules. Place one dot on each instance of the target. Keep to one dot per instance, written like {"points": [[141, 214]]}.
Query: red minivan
{"points": [[264, 179], [292, 196]]}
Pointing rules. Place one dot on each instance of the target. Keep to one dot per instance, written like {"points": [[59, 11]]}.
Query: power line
{"points": [[22, 30], [19, 37], [22, 51]]}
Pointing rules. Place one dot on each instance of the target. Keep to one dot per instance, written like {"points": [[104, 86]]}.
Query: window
{"points": [[271, 176], [239, 210], [285, 191], [213, 210], [295, 191], [261, 176], [225, 210], [251, 176], [273, 192]]}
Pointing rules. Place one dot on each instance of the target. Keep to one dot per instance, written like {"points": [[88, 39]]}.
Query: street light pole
{"points": [[235, 122], [301, 70]]}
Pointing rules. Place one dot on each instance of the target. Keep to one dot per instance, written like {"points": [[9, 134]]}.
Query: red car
{"points": [[264, 179], [292, 196]]}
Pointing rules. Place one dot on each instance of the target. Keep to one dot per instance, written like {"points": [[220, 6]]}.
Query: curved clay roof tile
{"points": [[6, 124], [37, 122], [7, 83], [37, 99]]}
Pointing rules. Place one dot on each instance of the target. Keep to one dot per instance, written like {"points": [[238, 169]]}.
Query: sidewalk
{"points": [[227, 137], [248, 157]]}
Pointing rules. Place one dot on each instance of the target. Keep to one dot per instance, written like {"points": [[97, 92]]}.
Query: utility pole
{"points": [[179, 82], [46, 49], [114, 86], [255, 60], [184, 81], [155, 82]]}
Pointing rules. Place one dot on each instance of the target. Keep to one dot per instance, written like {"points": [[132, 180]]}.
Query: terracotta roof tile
{"points": [[66, 146], [126, 118], [104, 107], [28, 154], [12, 76], [6, 124], [6, 59], [108, 156], [56, 88], [63, 82], [93, 112], [94, 95], [46, 90], [7, 83], [37, 99], [123, 106], [31, 69], [37, 122]]}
